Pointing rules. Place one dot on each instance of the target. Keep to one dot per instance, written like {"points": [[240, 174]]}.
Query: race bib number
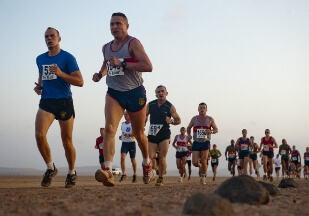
{"points": [[266, 148], [101, 146], [114, 71], [213, 160], [294, 159], [182, 149], [244, 147], [283, 152], [201, 133], [154, 129], [306, 158], [232, 156], [46, 75]]}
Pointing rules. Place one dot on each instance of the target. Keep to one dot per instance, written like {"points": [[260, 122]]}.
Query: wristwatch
{"points": [[124, 64]]}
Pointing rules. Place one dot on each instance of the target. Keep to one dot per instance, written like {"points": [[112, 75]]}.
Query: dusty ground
{"points": [[23, 195]]}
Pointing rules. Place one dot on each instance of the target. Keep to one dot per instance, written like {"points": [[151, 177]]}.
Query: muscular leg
{"points": [[113, 114], [123, 163], [178, 164], [134, 165], [163, 146], [245, 166], [42, 123], [152, 147], [183, 166], [66, 136], [204, 156], [241, 162], [250, 166]]}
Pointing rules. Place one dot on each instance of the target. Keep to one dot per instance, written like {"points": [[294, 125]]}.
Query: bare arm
{"points": [[174, 142], [275, 142], [137, 51], [213, 126], [103, 71], [38, 86], [190, 127], [176, 119], [147, 113], [75, 78]]}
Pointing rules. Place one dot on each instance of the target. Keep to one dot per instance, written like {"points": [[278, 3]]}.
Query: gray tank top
{"points": [[117, 78], [199, 130]]}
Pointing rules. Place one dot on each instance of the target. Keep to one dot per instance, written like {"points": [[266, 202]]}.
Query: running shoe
{"points": [[180, 179], [306, 178], [203, 180], [123, 178], [105, 176], [71, 180], [213, 178], [159, 182], [271, 179], [48, 176], [134, 179], [264, 177], [189, 177], [148, 173], [157, 171]]}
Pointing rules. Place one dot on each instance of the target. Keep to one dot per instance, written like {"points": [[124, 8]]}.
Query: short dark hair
{"points": [[120, 14], [202, 103], [160, 86], [54, 29]]}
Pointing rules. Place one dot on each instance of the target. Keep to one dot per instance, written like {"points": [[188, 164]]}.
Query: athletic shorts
{"points": [[306, 163], [159, 137], [132, 100], [231, 159], [128, 147], [189, 162], [62, 108], [277, 169], [238, 167], [101, 158], [295, 162], [200, 146], [181, 154], [269, 154], [242, 155], [214, 164], [285, 159], [253, 157]]}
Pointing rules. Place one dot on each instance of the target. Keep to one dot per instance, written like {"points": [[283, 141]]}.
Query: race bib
{"points": [[213, 160], [114, 71], [201, 133], [266, 148], [294, 159], [101, 146], [232, 155], [244, 147], [283, 152], [154, 129], [182, 149], [46, 75], [306, 158]]}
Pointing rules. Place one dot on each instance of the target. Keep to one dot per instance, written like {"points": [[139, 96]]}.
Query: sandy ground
{"points": [[23, 195]]}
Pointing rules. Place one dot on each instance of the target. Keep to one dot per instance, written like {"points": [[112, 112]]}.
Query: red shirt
{"points": [[99, 144], [267, 142]]}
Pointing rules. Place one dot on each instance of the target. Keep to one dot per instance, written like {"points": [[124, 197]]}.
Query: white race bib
{"points": [[182, 149], [154, 129], [213, 160], [244, 147], [114, 71], [101, 146], [46, 75], [294, 159], [232, 155], [306, 158], [283, 152], [201, 133], [266, 148]]}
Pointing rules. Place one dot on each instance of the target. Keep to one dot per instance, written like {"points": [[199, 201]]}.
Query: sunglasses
{"points": [[266, 132]]}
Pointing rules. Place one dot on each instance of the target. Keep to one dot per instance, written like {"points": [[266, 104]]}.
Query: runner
{"points": [[253, 150], [231, 155], [128, 145], [268, 143], [180, 143], [277, 162], [243, 144], [124, 61], [285, 151], [306, 166], [162, 115], [296, 162], [203, 126], [99, 145], [58, 70], [214, 154]]}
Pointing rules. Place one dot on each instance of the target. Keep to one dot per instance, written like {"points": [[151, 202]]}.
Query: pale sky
{"points": [[248, 60]]}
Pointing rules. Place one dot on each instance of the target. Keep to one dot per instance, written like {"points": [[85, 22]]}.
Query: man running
{"points": [[99, 145], [124, 61], [162, 115], [296, 162], [231, 155], [128, 145], [306, 166], [243, 144], [268, 143], [284, 152], [214, 154], [58, 70], [203, 126], [253, 150], [180, 143], [277, 162]]}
